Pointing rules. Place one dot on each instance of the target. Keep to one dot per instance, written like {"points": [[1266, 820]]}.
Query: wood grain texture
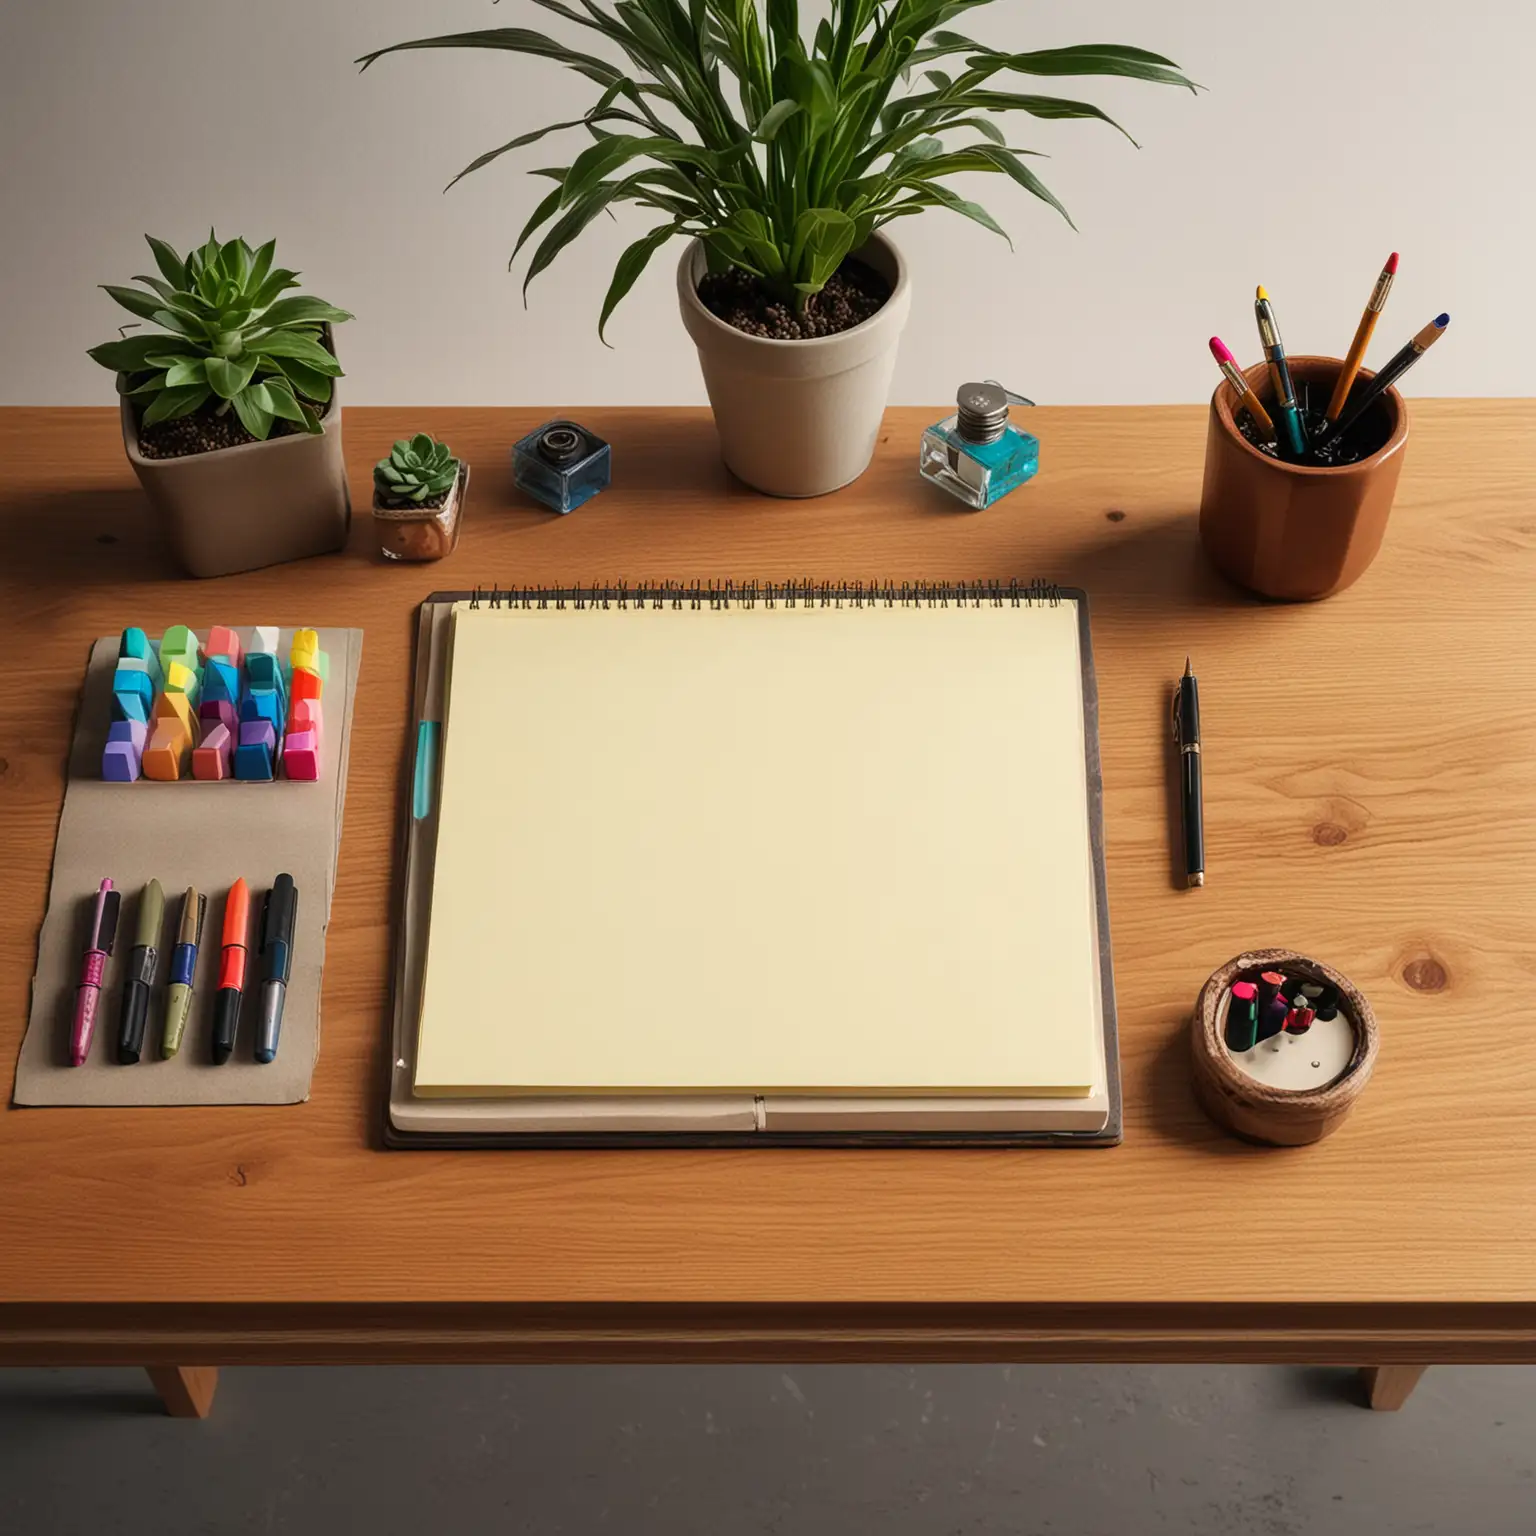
{"points": [[1370, 799], [1388, 1387], [186, 1390]]}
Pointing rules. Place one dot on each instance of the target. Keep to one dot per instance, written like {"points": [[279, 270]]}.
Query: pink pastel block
{"points": [[223, 641], [305, 715], [301, 755], [210, 758], [221, 712]]}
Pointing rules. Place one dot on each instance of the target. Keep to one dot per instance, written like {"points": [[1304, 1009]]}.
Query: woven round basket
{"points": [[1256, 1111]]}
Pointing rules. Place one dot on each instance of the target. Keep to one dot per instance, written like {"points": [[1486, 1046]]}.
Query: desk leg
{"points": [[186, 1390], [1389, 1386]]}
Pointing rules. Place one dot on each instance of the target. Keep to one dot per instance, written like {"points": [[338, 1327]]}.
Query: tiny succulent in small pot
{"points": [[419, 493], [230, 414], [227, 337], [419, 469]]}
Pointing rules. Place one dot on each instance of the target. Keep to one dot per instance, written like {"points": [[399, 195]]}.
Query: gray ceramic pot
{"points": [[258, 504], [798, 418]]}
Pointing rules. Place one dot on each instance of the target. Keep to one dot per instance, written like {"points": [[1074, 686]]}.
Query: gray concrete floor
{"points": [[1079, 1450]]}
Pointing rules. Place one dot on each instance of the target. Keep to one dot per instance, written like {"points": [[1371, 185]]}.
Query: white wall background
{"points": [[1332, 132]]}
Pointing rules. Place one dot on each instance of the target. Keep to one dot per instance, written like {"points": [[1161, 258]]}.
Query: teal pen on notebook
{"points": [[1292, 435]]}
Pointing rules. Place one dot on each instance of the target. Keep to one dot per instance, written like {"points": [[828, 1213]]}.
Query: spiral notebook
{"points": [[755, 863]]}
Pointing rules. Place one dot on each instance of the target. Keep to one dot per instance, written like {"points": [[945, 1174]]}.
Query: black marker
{"points": [[1186, 733], [279, 914], [134, 1018]]}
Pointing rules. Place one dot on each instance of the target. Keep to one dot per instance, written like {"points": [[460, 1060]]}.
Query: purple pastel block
{"points": [[301, 755], [136, 731], [220, 711], [120, 761], [253, 757]]}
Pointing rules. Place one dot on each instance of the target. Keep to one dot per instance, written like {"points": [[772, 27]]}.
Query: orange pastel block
{"points": [[166, 752], [304, 684], [171, 705]]}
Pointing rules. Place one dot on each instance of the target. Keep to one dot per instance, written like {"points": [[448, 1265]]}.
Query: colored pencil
{"points": [[1234, 376], [1375, 305]]}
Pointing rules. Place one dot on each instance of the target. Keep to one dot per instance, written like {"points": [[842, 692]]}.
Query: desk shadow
{"points": [[1151, 560], [91, 538], [1171, 1108], [70, 1400], [1305, 1386]]}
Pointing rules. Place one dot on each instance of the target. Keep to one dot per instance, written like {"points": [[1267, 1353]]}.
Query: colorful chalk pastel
{"points": [[305, 715], [178, 643], [263, 641], [219, 712], [125, 748], [305, 684], [256, 749], [305, 651], [211, 756], [135, 646], [262, 704], [136, 680], [170, 705], [165, 752], [301, 755], [180, 678], [221, 680], [129, 706], [223, 643]]}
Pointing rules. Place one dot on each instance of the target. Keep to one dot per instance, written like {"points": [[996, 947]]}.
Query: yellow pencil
{"points": [[1378, 302]]}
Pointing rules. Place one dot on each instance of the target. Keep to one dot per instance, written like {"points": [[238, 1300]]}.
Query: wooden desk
{"points": [[1370, 797]]}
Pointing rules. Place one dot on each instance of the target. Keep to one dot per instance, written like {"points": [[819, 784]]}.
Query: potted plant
{"points": [[418, 499], [781, 156], [229, 408]]}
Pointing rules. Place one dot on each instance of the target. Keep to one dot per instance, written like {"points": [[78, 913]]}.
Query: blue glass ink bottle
{"points": [[562, 465], [977, 455]]}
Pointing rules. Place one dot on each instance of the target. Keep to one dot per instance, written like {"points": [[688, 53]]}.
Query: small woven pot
{"points": [[1256, 1111]]}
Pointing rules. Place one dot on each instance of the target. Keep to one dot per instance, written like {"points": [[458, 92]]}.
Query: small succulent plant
{"points": [[227, 335], [418, 469]]}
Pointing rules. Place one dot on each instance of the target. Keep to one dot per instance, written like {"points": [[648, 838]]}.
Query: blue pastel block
{"points": [[265, 671], [262, 704], [135, 644], [221, 680], [129, 706], [254, 755], [134, 680]]}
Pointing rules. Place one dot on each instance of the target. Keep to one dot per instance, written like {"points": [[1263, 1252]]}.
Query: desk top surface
{"points": [[1370, 798]]}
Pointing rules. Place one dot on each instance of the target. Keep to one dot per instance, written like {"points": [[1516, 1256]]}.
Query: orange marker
{"points": [[226, 1007]]}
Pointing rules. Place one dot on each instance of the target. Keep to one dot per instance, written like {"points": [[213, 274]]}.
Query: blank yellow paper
{"points": [[770, 850]]}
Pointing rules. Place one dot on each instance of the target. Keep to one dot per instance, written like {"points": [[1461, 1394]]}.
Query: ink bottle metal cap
{"points": [[978, 455], [562, 465]]}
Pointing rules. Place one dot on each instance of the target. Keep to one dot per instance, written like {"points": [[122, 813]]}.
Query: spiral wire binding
{"points": [[719, 595]]}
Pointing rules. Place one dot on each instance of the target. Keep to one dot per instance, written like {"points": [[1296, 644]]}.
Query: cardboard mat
{"points": [[198, 834]]}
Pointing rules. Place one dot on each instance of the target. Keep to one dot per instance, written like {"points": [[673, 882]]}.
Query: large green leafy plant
{"points": [[227, 334], [782, 153]]}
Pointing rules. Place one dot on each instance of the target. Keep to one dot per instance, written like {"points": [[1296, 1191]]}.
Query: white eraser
{"points": [[263, 640]]}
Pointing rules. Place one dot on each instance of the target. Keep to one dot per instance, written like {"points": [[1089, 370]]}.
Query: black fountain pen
{"points": [[1186, 734]]}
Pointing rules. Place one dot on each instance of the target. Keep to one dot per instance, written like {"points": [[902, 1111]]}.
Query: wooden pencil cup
{"points": [[1297, 531], [1258, 1111]]}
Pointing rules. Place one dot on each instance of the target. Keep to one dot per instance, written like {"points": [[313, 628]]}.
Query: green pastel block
{"points": [[178, 643]]}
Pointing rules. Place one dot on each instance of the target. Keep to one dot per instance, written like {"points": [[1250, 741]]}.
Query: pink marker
{"points": [[93, 966]]}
